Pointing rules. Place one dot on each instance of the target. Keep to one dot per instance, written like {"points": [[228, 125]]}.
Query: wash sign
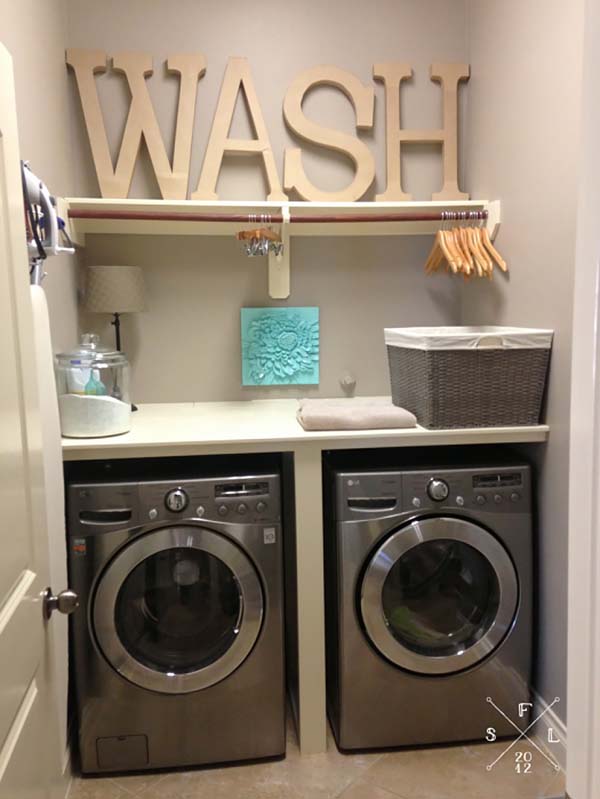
{"points": [[173, 175]]}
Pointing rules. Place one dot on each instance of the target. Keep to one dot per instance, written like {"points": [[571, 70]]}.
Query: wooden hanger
{"points": [[439, 252], [478, 262], [436, 255], [260, 233], [487, 242], [455, 260], [467, 250], [489, 264], [468, 264], [455, 247]]}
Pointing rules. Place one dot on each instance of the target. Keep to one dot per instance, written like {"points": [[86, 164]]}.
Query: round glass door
{"points": [[178, 609], [439, 595]]}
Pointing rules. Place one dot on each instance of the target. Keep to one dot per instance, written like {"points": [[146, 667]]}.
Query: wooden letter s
{"points": [[363, 99]]}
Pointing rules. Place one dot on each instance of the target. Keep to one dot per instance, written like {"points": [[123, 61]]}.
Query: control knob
{"points": [[176, 500], [438, 489]]}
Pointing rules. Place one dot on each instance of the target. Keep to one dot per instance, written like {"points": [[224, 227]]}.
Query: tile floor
{"points": [[457, 772]]}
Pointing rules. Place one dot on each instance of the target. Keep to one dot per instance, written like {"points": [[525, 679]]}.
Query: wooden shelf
{"points": [[264, 425], [180, 218]]}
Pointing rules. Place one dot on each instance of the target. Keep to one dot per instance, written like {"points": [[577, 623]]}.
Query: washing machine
{"points": [[429, 604], [177, 647]]}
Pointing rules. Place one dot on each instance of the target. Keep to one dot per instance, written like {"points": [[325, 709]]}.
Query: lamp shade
{"points": [[115, 289]]}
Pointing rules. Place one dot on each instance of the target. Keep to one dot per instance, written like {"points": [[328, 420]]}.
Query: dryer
{"points": [[177, 648], [429, 604]]}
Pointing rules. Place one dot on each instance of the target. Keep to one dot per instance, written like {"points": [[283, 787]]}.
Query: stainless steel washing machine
{"points": [[429, 604], [178, 652]]}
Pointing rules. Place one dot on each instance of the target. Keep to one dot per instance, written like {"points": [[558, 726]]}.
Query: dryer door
{"points": [[439, 595], [178, 609]]}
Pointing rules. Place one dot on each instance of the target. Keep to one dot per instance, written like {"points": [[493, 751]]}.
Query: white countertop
{"points": [[262, 425]]}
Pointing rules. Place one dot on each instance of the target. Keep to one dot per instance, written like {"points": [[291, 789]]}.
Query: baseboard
{"points": [[293, 706], [62, 786], [550, 721], [66, 763]]}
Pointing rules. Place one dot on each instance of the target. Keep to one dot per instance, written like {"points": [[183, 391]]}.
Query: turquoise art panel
{"points": [[280, 346]]}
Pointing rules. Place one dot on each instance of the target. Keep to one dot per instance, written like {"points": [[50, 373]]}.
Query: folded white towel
{"points": [[356, 413]]}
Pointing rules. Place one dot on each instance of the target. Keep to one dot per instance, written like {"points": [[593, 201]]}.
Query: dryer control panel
{"points": [[497, 490], [361, 495]]}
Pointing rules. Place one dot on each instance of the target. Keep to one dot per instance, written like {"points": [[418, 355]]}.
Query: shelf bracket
{"points": [[279, 265], [494, 218], [62, 208]]}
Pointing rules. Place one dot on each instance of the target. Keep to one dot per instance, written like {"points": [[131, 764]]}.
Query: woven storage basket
{"points": [[469, 377]]}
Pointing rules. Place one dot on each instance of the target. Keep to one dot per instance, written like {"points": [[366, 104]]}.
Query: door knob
{"points": [[65, 602]]}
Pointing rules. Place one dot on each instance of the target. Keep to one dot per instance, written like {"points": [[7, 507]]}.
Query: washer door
{"points": [[178, 609], [439, 595]]}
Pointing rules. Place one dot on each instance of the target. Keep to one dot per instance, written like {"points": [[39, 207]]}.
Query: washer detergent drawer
{"points": [[122, 752], [94, 509]]}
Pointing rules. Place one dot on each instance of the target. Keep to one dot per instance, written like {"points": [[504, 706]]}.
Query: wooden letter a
{"points": [[237, 76], [141, 120]]}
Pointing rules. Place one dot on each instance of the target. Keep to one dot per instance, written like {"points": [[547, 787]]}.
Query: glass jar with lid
{"points": [[93, 390]]}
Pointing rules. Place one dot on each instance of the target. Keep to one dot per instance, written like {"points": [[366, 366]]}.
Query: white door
{"points": [[30, 757], [583, 697]]}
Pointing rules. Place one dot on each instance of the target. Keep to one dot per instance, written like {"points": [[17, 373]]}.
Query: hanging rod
{"points": [[166, 216], [437, 216], [251, 219]]}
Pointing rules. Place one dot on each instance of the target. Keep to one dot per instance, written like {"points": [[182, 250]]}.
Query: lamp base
{"points": [[116, 322]]}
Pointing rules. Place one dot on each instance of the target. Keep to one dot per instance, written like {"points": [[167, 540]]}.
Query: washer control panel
{"points": [[248, 500], [362, 495], [95, 508]]}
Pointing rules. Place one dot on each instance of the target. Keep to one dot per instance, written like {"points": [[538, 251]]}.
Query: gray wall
{"points": [[187, 345], [522, 126], [280, 40], [523, 139], [34, 32]]}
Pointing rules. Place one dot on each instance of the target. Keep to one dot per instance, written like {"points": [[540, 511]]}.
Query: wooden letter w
{"points": [[141, 120]]}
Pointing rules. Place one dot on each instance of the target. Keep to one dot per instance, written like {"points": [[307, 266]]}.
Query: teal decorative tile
{"points": [[280, 346]]}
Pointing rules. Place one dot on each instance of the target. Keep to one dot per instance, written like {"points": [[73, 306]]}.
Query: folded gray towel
{"points": [[356, 413]]}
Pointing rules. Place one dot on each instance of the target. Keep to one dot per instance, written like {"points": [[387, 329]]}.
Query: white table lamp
{"points": [[115, 290]]}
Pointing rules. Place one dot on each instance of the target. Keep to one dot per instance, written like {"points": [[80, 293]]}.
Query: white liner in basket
{"points": [[468, 338]]}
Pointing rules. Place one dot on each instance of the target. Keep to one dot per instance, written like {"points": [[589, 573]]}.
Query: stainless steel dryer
{"points": [[178, 643], [429, 604]]}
